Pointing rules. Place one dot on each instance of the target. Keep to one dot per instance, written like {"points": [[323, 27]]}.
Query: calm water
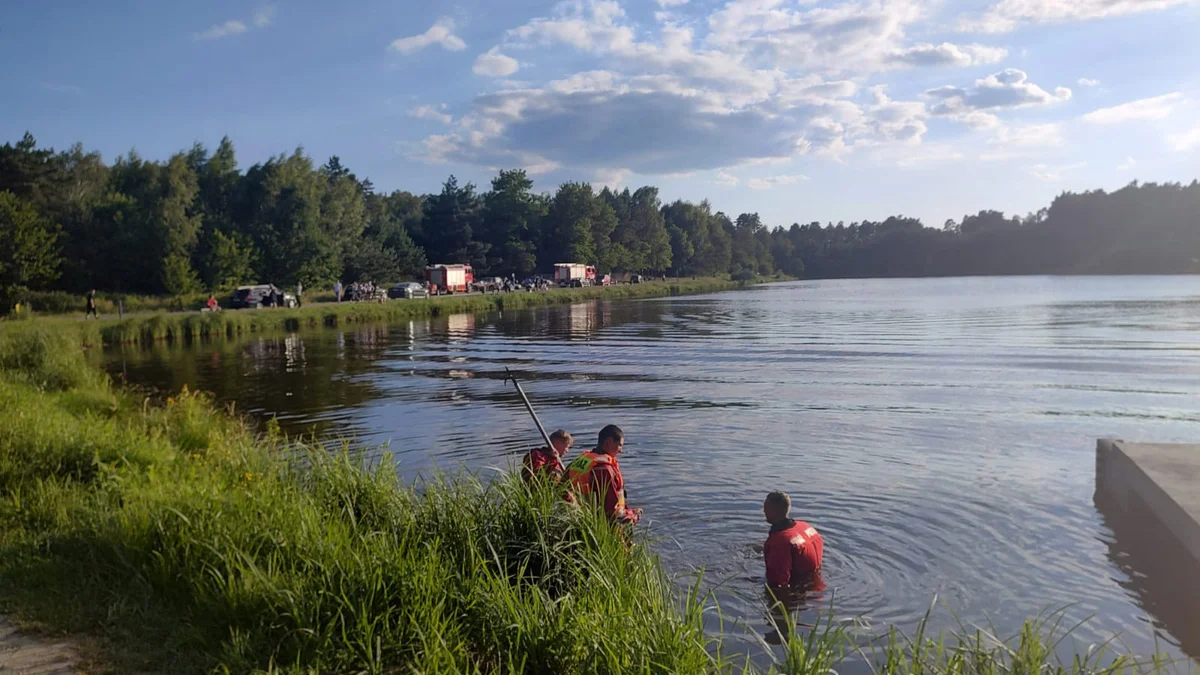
{"points": [[940, 433]]}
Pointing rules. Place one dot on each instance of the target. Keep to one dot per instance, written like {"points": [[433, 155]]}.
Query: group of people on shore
{"points": [[357, 291], [792, 553]]}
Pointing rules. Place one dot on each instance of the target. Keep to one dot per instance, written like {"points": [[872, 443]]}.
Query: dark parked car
{"points": [[260, 295], [408, 289]]}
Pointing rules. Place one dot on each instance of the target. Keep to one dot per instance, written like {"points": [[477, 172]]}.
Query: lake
{"points": [[940, 433]]}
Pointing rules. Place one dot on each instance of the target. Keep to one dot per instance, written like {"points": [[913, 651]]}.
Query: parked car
{"points": [[260, 295], [488, 285], [407, 290]]}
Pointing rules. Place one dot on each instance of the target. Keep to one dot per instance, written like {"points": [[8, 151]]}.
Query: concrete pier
{"points": [[1149, 496], [1154, 480]]}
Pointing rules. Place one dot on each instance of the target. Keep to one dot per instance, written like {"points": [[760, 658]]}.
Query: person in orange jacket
{"points": [[794, 549], [547, 461], [596, 474]]}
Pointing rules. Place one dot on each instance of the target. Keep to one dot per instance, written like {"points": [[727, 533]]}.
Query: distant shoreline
{"points": [[149, 328]]}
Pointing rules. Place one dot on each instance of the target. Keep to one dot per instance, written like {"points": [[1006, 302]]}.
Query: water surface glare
{"points": [[940, 433]]}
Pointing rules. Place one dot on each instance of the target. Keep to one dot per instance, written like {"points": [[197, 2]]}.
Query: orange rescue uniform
{"points": [[792, 553], [596, 474]]}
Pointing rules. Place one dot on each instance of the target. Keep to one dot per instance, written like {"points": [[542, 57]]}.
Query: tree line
{"points": [[194, 222]]}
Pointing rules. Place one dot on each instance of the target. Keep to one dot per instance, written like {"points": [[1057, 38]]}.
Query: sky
{"points": [[800, 110]]}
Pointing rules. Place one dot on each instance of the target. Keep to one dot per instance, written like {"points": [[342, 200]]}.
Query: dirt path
{"points": [[23, 654]]}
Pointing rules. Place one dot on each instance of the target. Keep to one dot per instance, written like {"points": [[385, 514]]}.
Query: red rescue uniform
{"points": [[542, 461], [792, 553], [596, 473]]}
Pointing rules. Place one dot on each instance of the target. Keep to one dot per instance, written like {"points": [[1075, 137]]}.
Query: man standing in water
{"points": [[794, 549], [547, 461], [597, 475]]}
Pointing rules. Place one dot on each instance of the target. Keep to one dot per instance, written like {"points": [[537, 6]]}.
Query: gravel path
{"points": [[24, 654]]}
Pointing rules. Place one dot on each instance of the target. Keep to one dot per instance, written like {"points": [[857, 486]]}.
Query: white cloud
{"points": [[1017, 141], [848, 37], [947, 54], [926, 155], [428, 112], [261, 19], [1187, 140], [440, 33], [671, 3], [595, 29], [609, 178], [726, 179], [1155, 108], [494, 64], [264, 16], [1030, 135], [1053, 174], [889, 120], [768, 80], [440, 148], [1007, 15], [1009, 88], [774, 181], [1128, 164], [1088, 82], [222, 30]]}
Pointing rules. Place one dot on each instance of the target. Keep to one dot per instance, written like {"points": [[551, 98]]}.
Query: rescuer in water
{"points": [[792, 554], [548, 461], [597, 475], [794, 549]]}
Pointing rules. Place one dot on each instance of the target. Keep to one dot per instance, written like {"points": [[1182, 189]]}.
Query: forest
{"points": [[196, 222]]}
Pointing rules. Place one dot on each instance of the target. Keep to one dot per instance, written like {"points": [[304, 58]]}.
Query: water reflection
{"points": [[938, 433], [1158, 571]]}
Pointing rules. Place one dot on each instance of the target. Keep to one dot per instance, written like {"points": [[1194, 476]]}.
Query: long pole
{"points": [[508, 375]]}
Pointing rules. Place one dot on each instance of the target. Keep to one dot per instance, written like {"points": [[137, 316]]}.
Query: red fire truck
{"points": [[574, 274], [449, 278]]}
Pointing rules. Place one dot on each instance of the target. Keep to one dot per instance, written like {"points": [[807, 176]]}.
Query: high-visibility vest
{"points": [[579, 474]]}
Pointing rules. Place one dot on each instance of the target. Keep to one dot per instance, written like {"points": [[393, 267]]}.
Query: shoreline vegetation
{"points": [[174, 538], [173, 326], [196, 222]]}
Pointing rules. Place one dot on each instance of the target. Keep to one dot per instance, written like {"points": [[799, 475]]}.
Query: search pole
{"points": [[508, 375]]}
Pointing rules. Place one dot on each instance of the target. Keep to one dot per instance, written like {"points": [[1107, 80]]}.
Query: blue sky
{"points": [[801, 110]]}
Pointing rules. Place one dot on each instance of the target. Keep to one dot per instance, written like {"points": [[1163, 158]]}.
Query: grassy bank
{"points": [[187, 544], [192, 325], [62, 302], [180, 541]]}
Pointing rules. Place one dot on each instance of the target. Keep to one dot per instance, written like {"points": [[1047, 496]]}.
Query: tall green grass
{"points": [[183, 542]]}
